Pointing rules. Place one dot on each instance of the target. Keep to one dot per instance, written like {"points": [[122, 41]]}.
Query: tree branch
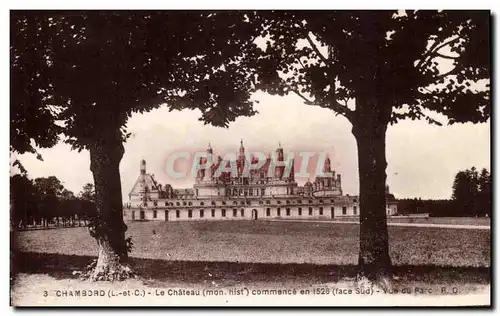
{"points": [[446, 73], [335, 105], [445, 56], [434, 50], [316, 49], [446, 43], [306, 100]]}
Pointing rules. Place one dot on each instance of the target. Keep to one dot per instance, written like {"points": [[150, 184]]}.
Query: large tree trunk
{"points": [[105, 157], [369, 129]]}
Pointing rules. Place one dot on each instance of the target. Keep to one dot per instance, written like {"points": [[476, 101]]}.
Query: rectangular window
{"points": [[155, 214], [242, 212], [320, 211], [190, 213], [235, 212], [268, 212], [279, 212], [133, 214], [213, 213], [223, 212], [287, 211], [300, 211], [202, 213], [177, 213], [310, 211], [197, 192], [344, 210], [355, 210], [155, 203]]}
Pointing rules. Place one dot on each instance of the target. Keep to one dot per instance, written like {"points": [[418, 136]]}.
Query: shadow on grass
{"points": [[62, 266]]}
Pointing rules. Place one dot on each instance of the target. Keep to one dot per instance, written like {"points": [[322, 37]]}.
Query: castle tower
{"points": [[327, 168], [241, 159], [279, 170], [209, 171]]}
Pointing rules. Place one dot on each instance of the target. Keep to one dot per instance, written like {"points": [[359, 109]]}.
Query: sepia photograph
{"points": [[337, 158]]}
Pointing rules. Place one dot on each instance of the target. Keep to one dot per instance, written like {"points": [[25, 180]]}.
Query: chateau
{"points": [[268, 192]]}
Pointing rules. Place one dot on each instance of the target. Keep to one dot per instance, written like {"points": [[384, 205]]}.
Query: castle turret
{"points": [[279, 170], [143, 167], [327, 168], [241, 159], [209, 171]]}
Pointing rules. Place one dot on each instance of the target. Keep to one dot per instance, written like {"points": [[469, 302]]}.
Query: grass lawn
{"points": [[479, 221], [271, 242], [253, 254]]}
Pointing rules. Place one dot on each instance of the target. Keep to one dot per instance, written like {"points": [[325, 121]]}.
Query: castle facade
{"points": [[267, 192]]}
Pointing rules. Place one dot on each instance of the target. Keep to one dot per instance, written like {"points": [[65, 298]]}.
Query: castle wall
{"points": [[266, 208]]}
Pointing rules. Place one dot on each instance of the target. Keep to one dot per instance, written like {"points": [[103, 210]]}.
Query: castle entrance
{"points": [[254, 214]]}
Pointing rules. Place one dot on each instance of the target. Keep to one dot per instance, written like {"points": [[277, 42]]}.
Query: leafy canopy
{"points": [[85, 73], [403, 63]]}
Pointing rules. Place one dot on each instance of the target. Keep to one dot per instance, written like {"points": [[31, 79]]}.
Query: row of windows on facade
{"points": [[242, 212], [248, 192], [263, 179], [155, 203]]}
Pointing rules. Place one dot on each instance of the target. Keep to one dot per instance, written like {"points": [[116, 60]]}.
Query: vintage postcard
{"points": [[250, 158]]}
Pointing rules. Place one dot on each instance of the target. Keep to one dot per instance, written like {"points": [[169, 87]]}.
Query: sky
{"points": [[422, 159]]}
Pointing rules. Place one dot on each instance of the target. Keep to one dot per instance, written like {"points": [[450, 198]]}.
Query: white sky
{"points": [[422, 159]]}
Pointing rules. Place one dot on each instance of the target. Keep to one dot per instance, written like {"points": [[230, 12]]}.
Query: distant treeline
{"points": [[44, 202], [471, 197], [435, 208]]}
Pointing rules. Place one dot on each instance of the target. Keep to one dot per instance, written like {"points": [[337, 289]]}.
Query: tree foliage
{"points": [[472, 192], [92, 70], [45, 201], [88, 192], [394, 58]]}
